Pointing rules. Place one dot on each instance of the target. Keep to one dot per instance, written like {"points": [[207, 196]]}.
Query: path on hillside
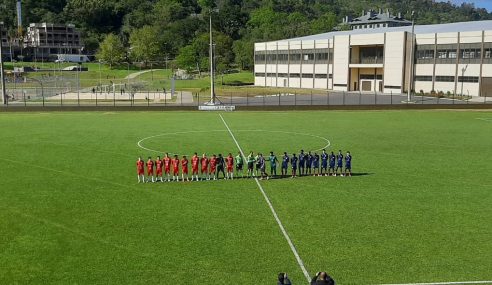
{"points": [[136, 74]]}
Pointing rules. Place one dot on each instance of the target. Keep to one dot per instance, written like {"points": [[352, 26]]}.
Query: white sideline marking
{"points": [[485, 119], [286, 235], [445, 283]]}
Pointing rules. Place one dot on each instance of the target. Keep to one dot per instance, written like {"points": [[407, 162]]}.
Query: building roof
{"points": [[373, 17], [419, 29]]}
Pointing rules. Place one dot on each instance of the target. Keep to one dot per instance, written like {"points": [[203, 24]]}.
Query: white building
{"points": [[46, 40], [447, 57]]}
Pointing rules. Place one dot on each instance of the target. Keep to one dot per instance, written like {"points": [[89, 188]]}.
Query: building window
{"points": [[259, 74], [423, 78], [283, 75], [283, 56], [468, 79], [308, 57], [295, 75], [445, 78], [447, 53], [271, 75], [295, 56], [321, 76], [307, 75]]}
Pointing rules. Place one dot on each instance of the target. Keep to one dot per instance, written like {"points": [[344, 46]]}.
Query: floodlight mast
{"points": [[411, 65], [211, 55], [2, 75]]}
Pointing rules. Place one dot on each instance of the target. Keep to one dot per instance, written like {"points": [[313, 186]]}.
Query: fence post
{"points": [[231, 99], [198, 98], [343, 97], [247, 98], [422, 99], [114, 99], [311, 97], [295, 98], [43, 99], [263, 100], [485, 99], [391, 97], [24, 96], [360, 97], [279, 98], [61, 99], [375, 98], [96, 98], [328, 98], [181, 94]]}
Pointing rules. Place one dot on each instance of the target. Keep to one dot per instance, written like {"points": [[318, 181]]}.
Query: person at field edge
{"points": [[158, 169], [302, 158], [230, 166], [251, 162], [194, 166], [167, 167], [273, 164], [293, 162], [283, 279], [339, 163], [285, 164], [324, 163], [150, 170], [239, 164], [348, 164], [175, 163], [331, 158], [204, 161], [257, 165], [213, 166], [322, 278], [184, 168], [140, 170]]}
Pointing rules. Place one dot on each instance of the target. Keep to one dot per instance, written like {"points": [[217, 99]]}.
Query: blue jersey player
{"points": [[302, 160], [309, 163], [315, 164], [293, 162], [324, 163], [339, 163], [332, 158], [348, 164], [285, 164]]}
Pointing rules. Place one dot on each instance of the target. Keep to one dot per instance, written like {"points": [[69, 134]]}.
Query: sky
{"points": [[487, 4]]}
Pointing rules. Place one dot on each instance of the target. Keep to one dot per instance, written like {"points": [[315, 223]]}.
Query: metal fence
{"points": [[63, 91]]}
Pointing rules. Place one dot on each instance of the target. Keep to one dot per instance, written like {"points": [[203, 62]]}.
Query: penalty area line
{"points": [[272, 209]]}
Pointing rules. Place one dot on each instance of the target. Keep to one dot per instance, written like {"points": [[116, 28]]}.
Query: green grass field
{"points": [[71, 211]]}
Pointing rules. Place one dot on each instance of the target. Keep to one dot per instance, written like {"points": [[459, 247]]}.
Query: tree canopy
{"points": [[158, 29]]}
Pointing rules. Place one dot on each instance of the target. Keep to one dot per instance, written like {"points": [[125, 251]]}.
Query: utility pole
{"points": [[463, 70], [2, 75], [211, 55], [411, 65]]}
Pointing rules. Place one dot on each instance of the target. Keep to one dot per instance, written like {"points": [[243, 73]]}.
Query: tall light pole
{"points": [[410, 73], [463, 70], [1, 67], [211, 55]]}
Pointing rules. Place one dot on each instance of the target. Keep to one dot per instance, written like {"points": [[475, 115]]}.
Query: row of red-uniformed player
{"points": [[208, 166]]}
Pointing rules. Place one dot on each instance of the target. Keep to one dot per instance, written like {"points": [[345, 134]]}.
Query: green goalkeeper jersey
{"points": [[239, 159], [251, 158]]}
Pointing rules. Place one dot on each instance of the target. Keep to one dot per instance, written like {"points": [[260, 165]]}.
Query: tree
{"points": [[243, 50], [144, 44], [111, 50]]}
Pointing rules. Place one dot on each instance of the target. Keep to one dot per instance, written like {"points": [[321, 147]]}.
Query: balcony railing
{"points": [[367, 60]]}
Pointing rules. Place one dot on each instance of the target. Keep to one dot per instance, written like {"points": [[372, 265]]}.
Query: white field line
{"points": [[445, 283], [284, 232], [485, 119]]}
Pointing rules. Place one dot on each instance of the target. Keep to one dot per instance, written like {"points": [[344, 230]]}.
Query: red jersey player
{"points": [[140, 170], [230, 164], [184, 168], [167, 166], [175, 163], [204, 162], [213, 165], [150, 169], [195, 160], [158, 168]]}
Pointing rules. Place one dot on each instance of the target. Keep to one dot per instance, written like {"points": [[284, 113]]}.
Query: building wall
{"points": [[456, 61]]}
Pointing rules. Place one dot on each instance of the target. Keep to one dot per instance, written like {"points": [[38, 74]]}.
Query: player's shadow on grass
{"points": [[306, 176]]}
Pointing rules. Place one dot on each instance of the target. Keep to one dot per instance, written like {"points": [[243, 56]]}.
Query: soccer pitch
{"points": [[418, 209]]}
